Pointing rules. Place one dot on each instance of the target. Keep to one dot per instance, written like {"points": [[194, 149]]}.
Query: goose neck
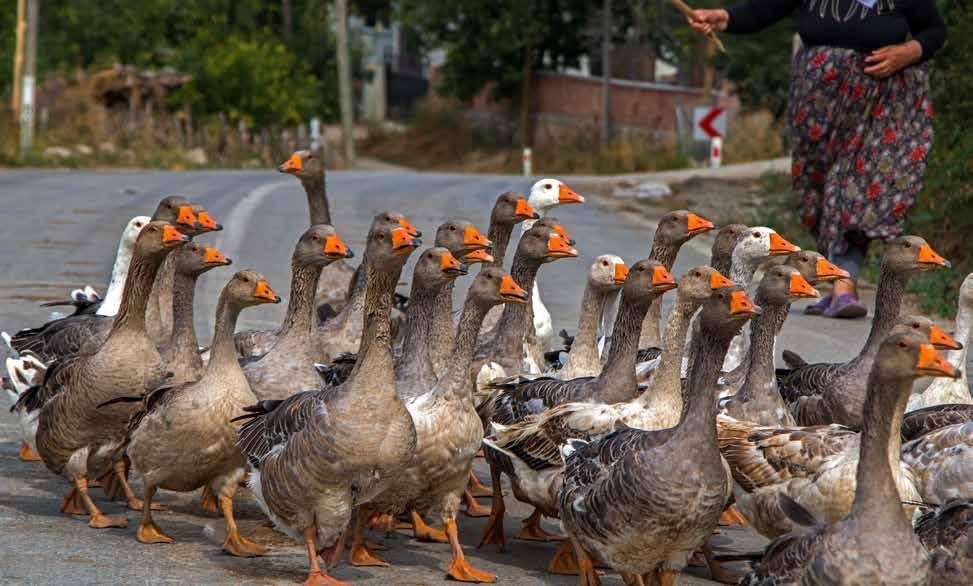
{"points": [[374, 352], [584, 350], [499, 234], [888, 302], [666, 385], [419, 315], [223, 356], [183, 327], [135, 295], [456, 380], [299, 318], [317, 200], [119, 273], [515, 317], [763, 330], [617, 380], [701, 397]]}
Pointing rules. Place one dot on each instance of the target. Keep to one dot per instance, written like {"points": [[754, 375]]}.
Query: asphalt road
{"points": [[59, 230]]}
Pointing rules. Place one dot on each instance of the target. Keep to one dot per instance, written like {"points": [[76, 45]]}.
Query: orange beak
{"points": [[477, 256], [186, 218], [451, 267], [409, 227], [779, 246], [265, 293], [928, 259], [943, 341], [801, 289], [662, 280], [291, 165], [567, 195], [621, 273], [211, 256], [741, 306], [558, 247], [335, 249], [827, 271], [403, 243], [473, 240], [511, 292], [697, 224], [560, 231], [718, 281], [172, 237], [524, 210], [207, 221], [932, 363]]}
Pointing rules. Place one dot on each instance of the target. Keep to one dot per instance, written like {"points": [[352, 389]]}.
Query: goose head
{"points": [[677, 227], [390, 219], [320, 245], [783, 284], [461, 237], [435, 267], [759, 243], [925, 327], [248, 288], [814, 267], [389, 248], [908, 254], [159, 239], [206, 221], [131, 232], [726, 240], [304, 165], [493, 286], [510, 209], [909, 356], [699, 283], [178, 211], [727, 310], [555, 225], [646, 280], [607, 273], [194, 259], [548, 193]]}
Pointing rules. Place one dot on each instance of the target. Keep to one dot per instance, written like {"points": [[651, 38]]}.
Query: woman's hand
{"points": [[707, 21], [893, 58]]}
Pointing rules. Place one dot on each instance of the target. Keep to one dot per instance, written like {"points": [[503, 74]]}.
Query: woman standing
{"points": [[860, 118]]}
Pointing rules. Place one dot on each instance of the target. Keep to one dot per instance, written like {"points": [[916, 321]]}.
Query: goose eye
{"points": [[908, 245], [756, 234], [604, 263], [452, 228], [697, 274], [902, 344]]}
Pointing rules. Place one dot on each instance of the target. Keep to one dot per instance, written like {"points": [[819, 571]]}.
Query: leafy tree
{"points": [[499, 42]]}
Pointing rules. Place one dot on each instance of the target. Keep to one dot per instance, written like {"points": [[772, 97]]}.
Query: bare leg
{"points": [[532, 530], [586, 568], [96, 519], [316, 576], [633, 579], [424, 532], [121, 476], [564, 562], [477, 488], [361, 555], [207, 501], [27, 454], [668, 577], [493, 532], [148, 531], [73, 504], [460, 569], [236, 544], [473, 508]]}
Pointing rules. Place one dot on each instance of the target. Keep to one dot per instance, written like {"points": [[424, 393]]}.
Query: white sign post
{"points": [[27, 115], [715, 152]]}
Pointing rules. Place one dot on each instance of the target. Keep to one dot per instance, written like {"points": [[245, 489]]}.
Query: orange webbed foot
{"points": [[564, 562], [99, 521], [477, 488], [27, 454], [424, 532], [362, 556], [319, 578], [462, 571], [150, 533], [475, 509], [534, 532], [239, 546], [72, 504], [493, 533]]}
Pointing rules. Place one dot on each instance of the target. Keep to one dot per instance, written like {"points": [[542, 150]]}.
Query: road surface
{"points": [[59, 230]]}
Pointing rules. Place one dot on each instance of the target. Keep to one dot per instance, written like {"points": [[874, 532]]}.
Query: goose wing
{"points": [[515, 401], [922, 421], [272, 423]]}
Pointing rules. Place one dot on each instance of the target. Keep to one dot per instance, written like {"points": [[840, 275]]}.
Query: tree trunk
{"points": [[19, 57], [606, 71], [288, 17], [344, 82], [526, 129]]}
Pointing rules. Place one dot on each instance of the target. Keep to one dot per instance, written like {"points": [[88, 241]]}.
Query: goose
{"points": [[545, 195], [448, 432], [812, 466], [22, 371], [606, 276], [947, 390], [834, 393], [758, 400], [180, 438], [509, 210], [181, 355], [721, 253], [946, 532], [605, 507], [514, 401], [317, 455], [941, 461], [85, 333], [87, 300], [875, 542], [674, 229], [532, 444], [289, 363], [75, 439]]}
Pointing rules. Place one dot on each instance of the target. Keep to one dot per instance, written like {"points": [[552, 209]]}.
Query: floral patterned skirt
{"points": [[860, 145]]}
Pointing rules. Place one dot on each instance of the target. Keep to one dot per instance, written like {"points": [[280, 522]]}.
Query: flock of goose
{"points": [[365, 409]]}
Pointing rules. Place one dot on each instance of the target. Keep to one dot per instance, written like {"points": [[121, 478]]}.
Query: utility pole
{"points": [[606, 71], [21, 29], [344, 82], [30, 71]]}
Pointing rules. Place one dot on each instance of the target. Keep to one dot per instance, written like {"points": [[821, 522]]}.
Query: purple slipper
{"points": [[819, 307], [846, 307]]}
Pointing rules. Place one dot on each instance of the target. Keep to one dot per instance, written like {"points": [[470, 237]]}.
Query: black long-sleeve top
{"points": [[839, 23]]}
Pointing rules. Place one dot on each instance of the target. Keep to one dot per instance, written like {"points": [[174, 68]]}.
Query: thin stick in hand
{"points": [[688, 12]]}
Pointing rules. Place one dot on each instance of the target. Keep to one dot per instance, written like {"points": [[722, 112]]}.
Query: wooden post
{"points": [[344, 82], [606, 71], [21, 30]]}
